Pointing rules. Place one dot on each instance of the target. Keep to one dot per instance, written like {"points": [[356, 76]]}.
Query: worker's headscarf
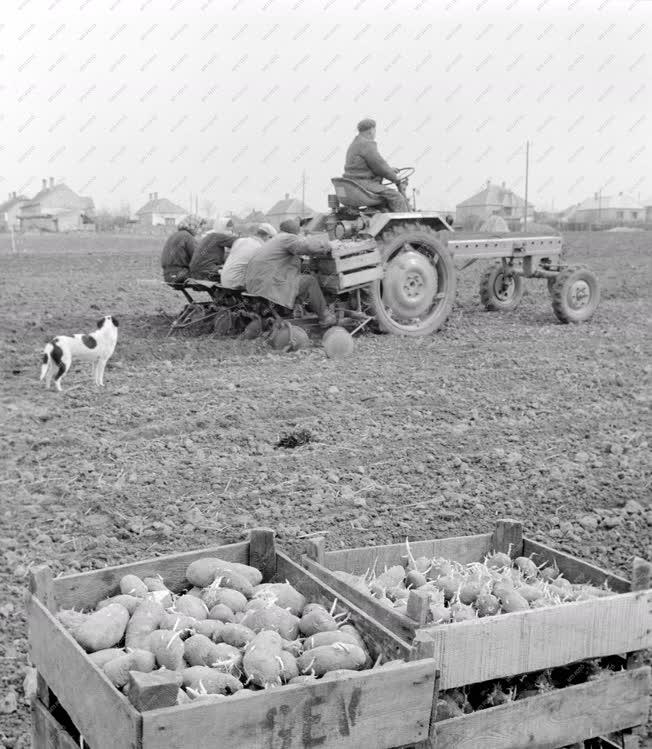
{"points": [[191, 223]]}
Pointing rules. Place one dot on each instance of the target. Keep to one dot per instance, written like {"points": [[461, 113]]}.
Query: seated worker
{"points": [[274, 272], [367, 167], [179, 249], [243, 249], [210, 254]]}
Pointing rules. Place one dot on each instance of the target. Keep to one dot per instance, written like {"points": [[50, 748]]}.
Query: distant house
{"points": [[9, 211], [160, 212], [57, 208], [604, 210], [255, 217], [287, 208], [493, 200]]}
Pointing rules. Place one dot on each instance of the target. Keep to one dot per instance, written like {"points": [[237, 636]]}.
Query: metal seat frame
{"points": [[353, 195]]}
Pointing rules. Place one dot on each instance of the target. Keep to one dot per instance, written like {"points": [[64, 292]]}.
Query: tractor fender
{"points": [[381, 221]]}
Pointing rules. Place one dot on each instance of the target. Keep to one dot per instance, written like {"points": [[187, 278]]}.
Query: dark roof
{"points": [[41, 194], [290, 205], [12, 202], [254, 216], [161, 205], [495, 195]]}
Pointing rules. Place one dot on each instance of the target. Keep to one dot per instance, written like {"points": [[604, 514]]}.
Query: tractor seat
{"points": [[353, 195]]}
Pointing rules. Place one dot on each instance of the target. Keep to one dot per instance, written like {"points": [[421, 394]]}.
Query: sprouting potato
{"points": [[326, 658]]}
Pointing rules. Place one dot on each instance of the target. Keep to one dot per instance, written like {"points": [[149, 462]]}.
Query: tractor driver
{"points": [[367, 167]]}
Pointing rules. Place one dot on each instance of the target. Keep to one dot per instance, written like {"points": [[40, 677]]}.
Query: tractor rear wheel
{"points": [[500, 290], [575, 295], [416, 294]]}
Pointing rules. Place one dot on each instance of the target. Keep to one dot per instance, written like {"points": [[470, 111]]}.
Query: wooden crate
{"points": [[509, 644], [380, 708], [352, 264]]}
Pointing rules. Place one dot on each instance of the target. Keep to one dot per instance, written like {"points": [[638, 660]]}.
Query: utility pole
{"points": [[527, 173], [303, 192]]}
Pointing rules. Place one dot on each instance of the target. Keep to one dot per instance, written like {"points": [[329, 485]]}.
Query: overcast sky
{"points": [[232, 100]]}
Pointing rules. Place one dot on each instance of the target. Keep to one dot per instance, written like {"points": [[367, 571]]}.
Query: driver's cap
{"points": [[366, 124]]}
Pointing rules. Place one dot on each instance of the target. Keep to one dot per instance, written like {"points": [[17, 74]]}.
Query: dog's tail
{"points": [[45, 359]]}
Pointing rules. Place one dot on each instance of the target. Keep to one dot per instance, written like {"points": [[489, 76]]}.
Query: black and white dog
{"points": [[96, 347]]}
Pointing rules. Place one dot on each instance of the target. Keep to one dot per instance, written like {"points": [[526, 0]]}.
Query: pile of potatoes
{"points": [[454, 703], [458, 592], [228, 635]]}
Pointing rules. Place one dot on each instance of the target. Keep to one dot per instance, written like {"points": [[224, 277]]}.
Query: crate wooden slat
{"points": [[509, 644], [341, 249], [346, 712], [47, 732], [461, 549], [575, 569], [356, 262], [359, 278], [555, 719], [88, 588]]}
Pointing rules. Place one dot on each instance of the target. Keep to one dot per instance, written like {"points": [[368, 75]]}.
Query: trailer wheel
{"points": [[500, 290], [575, 295]]}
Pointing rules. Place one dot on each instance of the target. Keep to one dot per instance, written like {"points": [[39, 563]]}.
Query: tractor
{"points": [[413, 288], [397, 270]]}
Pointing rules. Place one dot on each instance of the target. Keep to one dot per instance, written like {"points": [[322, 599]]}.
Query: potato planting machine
{"points": [[398, 269]]}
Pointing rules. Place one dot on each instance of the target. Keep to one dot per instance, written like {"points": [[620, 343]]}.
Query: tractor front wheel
{"points": [[500, 290], [575, 295]]}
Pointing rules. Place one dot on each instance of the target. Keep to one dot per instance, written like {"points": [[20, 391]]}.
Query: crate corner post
{"points": [[314, 548], [262, 551], [424, 646], [41, 586], [508, 537], [641, 574], [641, 581], [417, 606]]}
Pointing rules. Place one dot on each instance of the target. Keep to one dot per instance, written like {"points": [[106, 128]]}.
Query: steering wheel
{"points": [[402, 174]]}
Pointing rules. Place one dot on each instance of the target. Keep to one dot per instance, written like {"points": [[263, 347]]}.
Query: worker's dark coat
{"points": [[210, 254], [365, 165], [177, 253], [274, 271]]}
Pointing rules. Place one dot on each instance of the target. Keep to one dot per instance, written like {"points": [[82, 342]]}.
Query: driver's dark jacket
{"points": [[363, 162]]}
